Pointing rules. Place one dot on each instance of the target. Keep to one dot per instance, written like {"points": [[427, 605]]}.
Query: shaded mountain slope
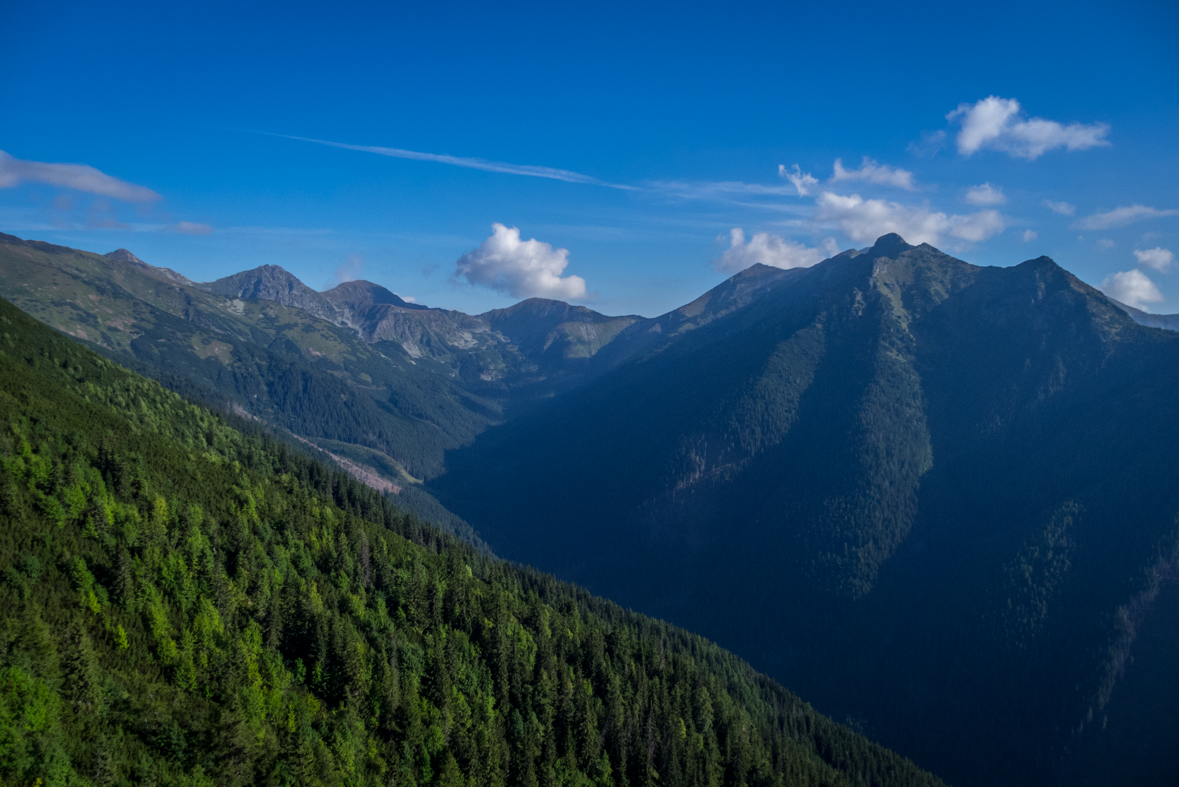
{"points": [[935, 495], [183, 603]]}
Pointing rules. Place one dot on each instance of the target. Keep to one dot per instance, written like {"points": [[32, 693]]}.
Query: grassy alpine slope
{"points": [[185, 603]]}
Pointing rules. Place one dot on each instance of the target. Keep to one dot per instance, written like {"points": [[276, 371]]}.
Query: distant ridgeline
{"points": [[385, 385], [186, 603]]}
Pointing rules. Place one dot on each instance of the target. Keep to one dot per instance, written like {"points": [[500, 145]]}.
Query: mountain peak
{"points": [[122, 255], [890, 245], [272, 283], [352, 294], [1040, 262], [255, 282], [127, 258]]}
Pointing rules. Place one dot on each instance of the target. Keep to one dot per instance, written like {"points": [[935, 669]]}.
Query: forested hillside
{"points": [[278, 363], [182, 602], [939, 500]]}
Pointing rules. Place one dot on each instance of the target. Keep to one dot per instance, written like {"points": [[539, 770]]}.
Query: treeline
{"points": [[184, 603]]}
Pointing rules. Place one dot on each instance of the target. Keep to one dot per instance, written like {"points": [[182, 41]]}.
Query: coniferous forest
{"points": [[188, 601]]}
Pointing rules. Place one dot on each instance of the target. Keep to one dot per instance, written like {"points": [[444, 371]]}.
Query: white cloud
{"points": [[521, 268], [80, 177], [803, 181], [874, 173], [1063, 208], [1029, 236], [986, 194], [191, 228], [1105, 243], [866, 220], [1158, 258], [772, 250], [995, 123], [977, 227], [1120, 217], [1133, 288]]}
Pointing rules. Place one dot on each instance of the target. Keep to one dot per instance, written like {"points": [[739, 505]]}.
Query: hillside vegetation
{"points": [[182, 602], [275, 362]]}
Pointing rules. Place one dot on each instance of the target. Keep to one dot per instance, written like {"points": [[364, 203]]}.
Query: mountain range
{"points": [[937, 500], [961, 481], [184, 602]]}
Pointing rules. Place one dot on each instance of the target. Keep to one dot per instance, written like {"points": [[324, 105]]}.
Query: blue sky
{"points": [[644, 147]]}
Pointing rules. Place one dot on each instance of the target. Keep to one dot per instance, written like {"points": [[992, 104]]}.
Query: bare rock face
{"points": [[272, 283]]}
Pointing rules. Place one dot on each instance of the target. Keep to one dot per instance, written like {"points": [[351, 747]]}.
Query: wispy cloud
{"points": [[1120, 217], [725, 189], [1063, 208], [80, 177], [996, 123], [930, 143], [484, 165], [874, 173], [191, 228], [803, 181], [348, 270], [986, 194]]}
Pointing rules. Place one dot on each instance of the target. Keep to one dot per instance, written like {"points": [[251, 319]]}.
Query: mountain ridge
{"points": [[183, 602], [911, 449], [844, 439]]}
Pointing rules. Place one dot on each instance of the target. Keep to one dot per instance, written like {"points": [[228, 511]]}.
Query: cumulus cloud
{"points": [[1120, 217], [874, 173], [996, 123], [520, 268], [1133, 288], [80, 177], [803, 181], [1158, 258], [986, 194], [1029, 236], [191, 228], [866, 220], [1063, 208], [772, 250]]}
